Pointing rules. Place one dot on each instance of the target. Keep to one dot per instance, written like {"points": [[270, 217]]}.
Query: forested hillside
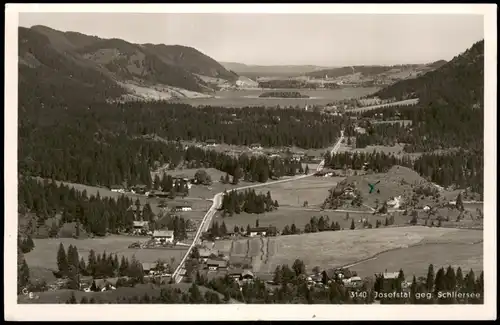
{"points": [[450, 111], [69, 60]]}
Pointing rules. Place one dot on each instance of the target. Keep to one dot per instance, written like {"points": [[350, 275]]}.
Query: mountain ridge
{"points": [[128, 65]]}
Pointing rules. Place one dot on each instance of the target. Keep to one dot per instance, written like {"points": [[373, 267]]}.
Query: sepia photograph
{"points": [[326, 156]]}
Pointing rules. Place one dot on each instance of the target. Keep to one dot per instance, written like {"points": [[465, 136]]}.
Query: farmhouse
{"points": [[104, 284], [263, 231], [216, 265], [163, 236], [140, 227]]}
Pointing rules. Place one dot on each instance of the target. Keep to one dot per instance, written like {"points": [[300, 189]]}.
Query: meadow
{"points": [[314, 190], [415, 260], [44, 255], [344, 248], [300, 217]]}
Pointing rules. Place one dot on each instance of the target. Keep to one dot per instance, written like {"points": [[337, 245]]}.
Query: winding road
{"points": [[217, 202]]}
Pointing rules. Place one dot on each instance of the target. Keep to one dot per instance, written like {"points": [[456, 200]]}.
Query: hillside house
{"points": [[163, 236], [140, 227], [216, 265]]}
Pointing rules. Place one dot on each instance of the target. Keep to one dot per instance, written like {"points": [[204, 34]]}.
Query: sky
{"points": [[285, 39]]}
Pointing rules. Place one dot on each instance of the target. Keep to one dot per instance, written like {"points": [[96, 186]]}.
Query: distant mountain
{"points": [[344, 71], [112, 67], [458, 82], [271, 70]]}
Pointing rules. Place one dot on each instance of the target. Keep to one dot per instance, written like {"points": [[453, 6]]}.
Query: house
{"points": [[354, 281], [263, 231], [427, 208], [86, 282], [104, 284], [255, 146], [140, 227], [163, 236], [247, 275], [206, 253], [211, 142], [216, 265], [139, 189], [184, 207], [236, 273], [158, 194], [117, 188], [153, 268]]}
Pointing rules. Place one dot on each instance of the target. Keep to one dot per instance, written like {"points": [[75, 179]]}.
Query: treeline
{"points": [[378, 162], [96, 214], [91, 157], [322, 223], [315, 225], [25, 243], [165, 296], [271, 127], [459, 168], [71, 266], [385, 134], [176, 223], [247, 201], [168, 184]]}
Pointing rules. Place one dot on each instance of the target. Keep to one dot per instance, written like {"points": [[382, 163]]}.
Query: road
{"points": [[217, 202]]}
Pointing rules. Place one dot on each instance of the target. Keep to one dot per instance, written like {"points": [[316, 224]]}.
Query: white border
{"points": [[14, 311]]}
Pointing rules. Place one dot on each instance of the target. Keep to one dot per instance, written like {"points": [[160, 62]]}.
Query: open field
{"points": [[197, 202], [340, 248], [300, 217], [61, 296], [311, 189], [45, 252], [190, 172], [415, 260]]}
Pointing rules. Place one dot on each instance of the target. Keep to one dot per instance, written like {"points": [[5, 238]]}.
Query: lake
{"points": [[241, 98]]}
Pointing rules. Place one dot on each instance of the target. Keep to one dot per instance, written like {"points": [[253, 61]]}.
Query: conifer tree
{"points": [[62, 262]]}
